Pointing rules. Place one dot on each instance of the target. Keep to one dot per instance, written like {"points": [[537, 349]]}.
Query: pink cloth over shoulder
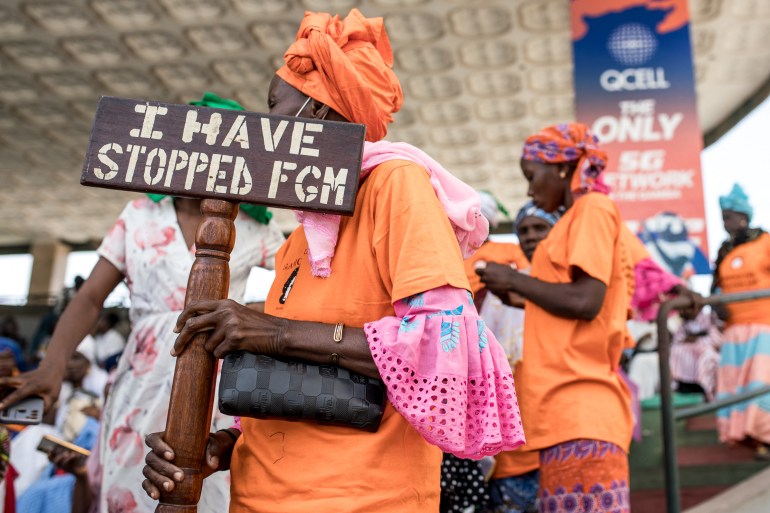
{"points": [[652, 283], [460, 201], [447, 375]]}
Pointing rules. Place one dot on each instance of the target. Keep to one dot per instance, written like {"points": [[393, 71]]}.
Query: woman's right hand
{"points": [[162, 473], [70, 461], [43, 382]]}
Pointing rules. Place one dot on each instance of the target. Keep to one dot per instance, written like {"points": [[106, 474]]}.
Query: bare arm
{"points": [[582, 298], [235, 327], [77, 321]]}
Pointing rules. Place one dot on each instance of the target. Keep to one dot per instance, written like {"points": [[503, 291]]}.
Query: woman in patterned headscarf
{"points": [[741, 266], [388, 284], [575, 406]]}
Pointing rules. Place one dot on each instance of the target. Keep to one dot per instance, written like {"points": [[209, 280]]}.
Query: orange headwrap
{"points": [[346, 65]]}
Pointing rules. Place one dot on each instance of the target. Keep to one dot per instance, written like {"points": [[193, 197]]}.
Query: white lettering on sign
{"points": [[631, 161], [176, 162], [217, 174], [192, 126], [240, 171], [160, 153], [634, 79], [334, 182], [238, 133], [272, 138], [298, 138], [637, 128], [278, 177], [107, 161], [195, 167], [309, 193], [149, 111], [135, 150]]}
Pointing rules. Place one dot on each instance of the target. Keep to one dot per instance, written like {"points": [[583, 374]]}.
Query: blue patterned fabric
{"points": [[516, 494], [409, 323], [52, 493], [450, 335], [415, 301], [483, 339], [530, 210]]}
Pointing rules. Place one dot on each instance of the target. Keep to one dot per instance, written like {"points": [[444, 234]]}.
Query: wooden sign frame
{"points": [[237, 156]]}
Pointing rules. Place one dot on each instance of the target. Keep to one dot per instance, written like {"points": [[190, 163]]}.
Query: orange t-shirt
{"points": [[490, 251], [398, 243], [570, 387], [635, 246], [745, 268]]}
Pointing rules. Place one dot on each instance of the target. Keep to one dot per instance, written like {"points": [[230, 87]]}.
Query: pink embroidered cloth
{"points": [[652, 284], [447, 375], [460, 201]]}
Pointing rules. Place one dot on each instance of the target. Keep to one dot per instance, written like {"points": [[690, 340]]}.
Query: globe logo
{"points": [[632, 44]]}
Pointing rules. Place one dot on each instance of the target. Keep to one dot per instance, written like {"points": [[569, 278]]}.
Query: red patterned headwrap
{"points": [[347, 65], [568, 142]]}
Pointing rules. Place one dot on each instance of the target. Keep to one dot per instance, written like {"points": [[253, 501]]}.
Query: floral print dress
{"points": [[146, 244]]}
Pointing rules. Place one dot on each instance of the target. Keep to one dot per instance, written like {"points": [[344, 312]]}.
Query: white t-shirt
{"points": [[108, 344]]}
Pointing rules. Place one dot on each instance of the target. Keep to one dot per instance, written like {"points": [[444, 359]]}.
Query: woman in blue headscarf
{"points": [[742, 266]]}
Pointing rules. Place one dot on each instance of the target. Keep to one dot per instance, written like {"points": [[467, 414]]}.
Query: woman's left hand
{"points": [[231, 327], [498, 278]]}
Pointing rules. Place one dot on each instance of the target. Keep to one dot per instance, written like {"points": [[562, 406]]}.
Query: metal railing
{"points": [[668, 415]]}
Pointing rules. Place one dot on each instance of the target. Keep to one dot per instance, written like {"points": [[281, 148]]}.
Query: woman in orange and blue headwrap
{"points": [[388, 283], [575, 405], [741, 266]]}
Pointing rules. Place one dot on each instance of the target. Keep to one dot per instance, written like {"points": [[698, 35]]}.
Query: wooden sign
{"points": [[237, 156]]}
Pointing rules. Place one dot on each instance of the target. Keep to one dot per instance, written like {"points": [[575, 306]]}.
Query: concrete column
{"points": [[48, 267]]}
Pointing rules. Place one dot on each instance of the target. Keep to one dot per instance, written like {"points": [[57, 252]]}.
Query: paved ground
{"points": [[750, 496]]}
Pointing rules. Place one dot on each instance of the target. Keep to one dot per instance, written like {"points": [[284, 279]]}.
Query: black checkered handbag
{"points": [[264, 387]]}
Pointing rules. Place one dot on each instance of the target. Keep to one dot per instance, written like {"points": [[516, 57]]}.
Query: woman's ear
{"points": [[564, 170]]}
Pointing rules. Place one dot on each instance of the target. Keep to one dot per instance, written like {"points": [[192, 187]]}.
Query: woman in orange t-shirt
{"points": [[573, 400], [742, 265], [515, 481], [381, 293]]}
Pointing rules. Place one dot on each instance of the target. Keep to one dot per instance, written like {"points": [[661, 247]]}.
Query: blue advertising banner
{"points": [[634, 86]]}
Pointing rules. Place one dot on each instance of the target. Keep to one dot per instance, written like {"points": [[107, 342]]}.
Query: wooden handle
{"points": [[192, 393]]}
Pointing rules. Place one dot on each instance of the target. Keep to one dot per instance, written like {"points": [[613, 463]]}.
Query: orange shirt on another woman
{"points": [[498, 252], [570, 387], [745, 268]]}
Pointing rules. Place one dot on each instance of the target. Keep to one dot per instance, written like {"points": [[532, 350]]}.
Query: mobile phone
{"points": [[50, 444], [27, 411]]}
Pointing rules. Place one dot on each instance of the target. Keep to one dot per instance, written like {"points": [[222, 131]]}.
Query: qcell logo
{"points": [[632, 44], [634, 79]]}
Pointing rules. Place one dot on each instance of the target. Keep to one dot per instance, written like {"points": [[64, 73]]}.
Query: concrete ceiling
{"points": [[478, 77]]}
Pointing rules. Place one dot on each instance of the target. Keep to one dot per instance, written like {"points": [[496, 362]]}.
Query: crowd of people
{"points": [[503, 363]]}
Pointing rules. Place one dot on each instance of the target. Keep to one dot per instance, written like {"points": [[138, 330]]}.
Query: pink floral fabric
{"points": [[652, 284], [147, 246], [446, 374], [460, 201]]}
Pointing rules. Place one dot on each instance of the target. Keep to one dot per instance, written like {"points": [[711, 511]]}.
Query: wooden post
{"points": [[229, 157], [192, 393]]}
